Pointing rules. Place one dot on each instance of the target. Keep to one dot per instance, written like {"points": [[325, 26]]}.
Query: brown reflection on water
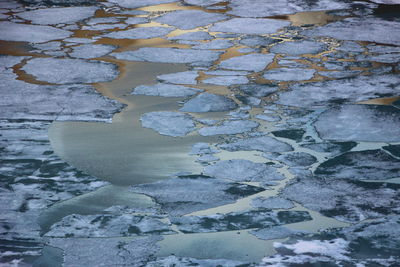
{"points": [[387, 101]]}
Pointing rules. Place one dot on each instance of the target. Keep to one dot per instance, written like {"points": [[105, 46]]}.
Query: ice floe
{"points": [[183, 19], [168, 55], [251, 62], [166, 90], [168, 122], [183, 195], [242, 170], [229, 127], [249, 26], [30, 33], [48, 16], [66, 71], [371, 123], [207, 102]]}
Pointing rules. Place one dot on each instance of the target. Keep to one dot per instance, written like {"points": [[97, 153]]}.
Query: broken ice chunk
{"points": [[251, 62], [207, 102], [166, 90], [64, 71], [190, 19], [263, 143], [190, 36], [57, 15], [289, 74], [226, 80], [361, 165], [229, 127], [275, 232], [371, 123], [91, 51], [243, 171], [272, 203], [234, 221], [249, 26], [185, 77], [140, 33], [168, 123], [299, 48], [168, 55], [30, 33], [108, 225], [183, 195]]}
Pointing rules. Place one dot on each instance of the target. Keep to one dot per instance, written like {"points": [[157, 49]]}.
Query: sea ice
{"points": [[229, 127], [272, 203], [168, 55], [249, 26], [361, 29], [57, 15], [370, 123], [183, 195], [140, 33], [361, 165], [251, 62], [108, 225], [353, 90], [65, 71], [166, 90], [289, 74], [226, 80], [262, 143], [183, 19], [30, 33], [168, 123], [298, 48], [185, 77], [207, 102], [241, 170], [234, 221], [91, 51]]}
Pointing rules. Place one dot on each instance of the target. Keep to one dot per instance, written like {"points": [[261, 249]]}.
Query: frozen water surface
{"points": [[370, 123], [183, 19], [166, 90], [326, 161], [243, 171], [30, 33], [168, 55], [289, 74], [140, 33], [227, 80], [251, 62], [299, 48], [183, 195], [355, 29], [186, 77], [263, 143], [106, 252], [206, 102], [168, 123], [238, 220], [58, 15], [107, 225], [344, 200], [340, 91], [249, 26], [91, 51], [229, 127], [361, 165], [65, 71], [265, 8], [140, 3]]}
